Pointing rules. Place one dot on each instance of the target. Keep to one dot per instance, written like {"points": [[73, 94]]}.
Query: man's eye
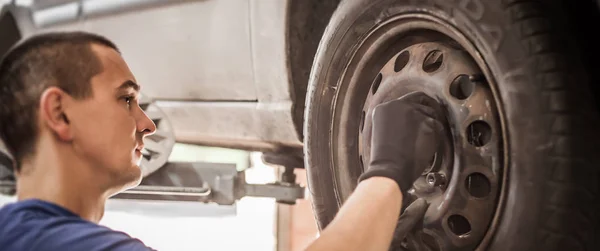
{"points": [[128, 100]]}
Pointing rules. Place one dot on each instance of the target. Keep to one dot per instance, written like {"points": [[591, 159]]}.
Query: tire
{"points": [[549, 197]]}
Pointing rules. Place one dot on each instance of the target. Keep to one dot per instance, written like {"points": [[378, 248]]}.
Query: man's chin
{"points": [[136, 177], [130, 178]]}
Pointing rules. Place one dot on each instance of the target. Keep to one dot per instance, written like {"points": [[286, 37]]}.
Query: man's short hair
{"points": [[61, 59]]}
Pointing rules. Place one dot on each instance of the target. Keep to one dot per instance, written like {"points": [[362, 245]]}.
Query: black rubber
{"points": [[552, 125], [9, 28]]}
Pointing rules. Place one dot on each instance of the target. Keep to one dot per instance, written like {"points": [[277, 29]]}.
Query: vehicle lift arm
{"points": [[203, 182]]}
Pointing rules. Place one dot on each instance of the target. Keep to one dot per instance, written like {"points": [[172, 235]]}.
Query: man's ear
{"points": [[52, 111]]}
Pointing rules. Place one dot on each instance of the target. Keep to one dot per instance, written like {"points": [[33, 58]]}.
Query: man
{"points": [[70, 117]]}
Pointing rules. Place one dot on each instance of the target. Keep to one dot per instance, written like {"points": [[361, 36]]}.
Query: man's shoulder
{"points": [[29, 227]]}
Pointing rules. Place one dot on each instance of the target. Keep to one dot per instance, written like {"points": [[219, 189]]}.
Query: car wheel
{"points": [[158, 146], [517, 170]]}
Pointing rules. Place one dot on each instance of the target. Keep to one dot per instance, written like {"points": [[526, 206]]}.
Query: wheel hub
{"points": [[462, 182]]}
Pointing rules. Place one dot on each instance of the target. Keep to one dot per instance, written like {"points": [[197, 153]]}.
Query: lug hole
{"points": [[478, 185], [433, 61], [144, 106], [479, 133], [459, 225], [401, 61], [376, 83], [156, 121], [362, 121], [461, 87]]}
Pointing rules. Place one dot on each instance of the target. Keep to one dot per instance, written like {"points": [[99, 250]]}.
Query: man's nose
{"points": [[145, 125]]}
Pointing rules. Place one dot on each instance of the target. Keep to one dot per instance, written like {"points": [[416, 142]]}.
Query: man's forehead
{"points": [[115, 69]]}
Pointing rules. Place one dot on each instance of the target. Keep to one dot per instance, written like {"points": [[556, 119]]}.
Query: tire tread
{"points": [[572, 184]]}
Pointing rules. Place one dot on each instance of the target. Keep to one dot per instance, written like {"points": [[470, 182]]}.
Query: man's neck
{"points": [[89, 208], [63, 181]]}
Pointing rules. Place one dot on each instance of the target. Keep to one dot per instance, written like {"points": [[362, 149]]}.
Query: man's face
{"points": [[109, 127]]}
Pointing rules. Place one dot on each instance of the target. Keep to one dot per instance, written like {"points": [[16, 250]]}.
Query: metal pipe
{"points": [[165, 190], [153, 190]]}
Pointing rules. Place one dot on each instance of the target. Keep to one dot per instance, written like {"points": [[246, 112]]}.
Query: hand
{"points": [[407, 222], [405, 136]]}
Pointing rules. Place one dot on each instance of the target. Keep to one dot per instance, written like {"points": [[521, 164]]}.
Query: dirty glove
{"points": [[407, 223], [405, 136]]}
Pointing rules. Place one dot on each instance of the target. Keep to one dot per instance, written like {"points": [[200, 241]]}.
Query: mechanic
{"points": [[70, 117]]}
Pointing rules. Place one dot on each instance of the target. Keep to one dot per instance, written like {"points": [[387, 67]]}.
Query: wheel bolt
{"points": [[436, 179]]}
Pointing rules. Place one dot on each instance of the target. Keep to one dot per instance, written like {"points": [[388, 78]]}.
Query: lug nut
{"points": [[436, 179]]}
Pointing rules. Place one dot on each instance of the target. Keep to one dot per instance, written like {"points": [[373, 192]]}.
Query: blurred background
{"points": [[251, 224], [218, 71]]}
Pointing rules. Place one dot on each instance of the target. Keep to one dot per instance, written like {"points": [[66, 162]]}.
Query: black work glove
{"points": [[407, 223], [405, 136]]}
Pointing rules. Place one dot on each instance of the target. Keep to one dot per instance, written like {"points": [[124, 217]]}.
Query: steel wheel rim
{"points": [[346, 142]]}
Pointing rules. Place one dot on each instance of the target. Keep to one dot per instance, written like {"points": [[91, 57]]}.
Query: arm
{"points": [[367, 219], [405, 136]]}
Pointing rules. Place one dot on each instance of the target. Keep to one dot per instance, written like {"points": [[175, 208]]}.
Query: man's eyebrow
{"points": [[129, 84]]}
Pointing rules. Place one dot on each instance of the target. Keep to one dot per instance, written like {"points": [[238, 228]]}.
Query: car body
{"points": [[226, 73]]}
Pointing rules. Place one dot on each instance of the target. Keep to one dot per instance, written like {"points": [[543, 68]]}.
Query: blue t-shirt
{"points": [[39, 225]]}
